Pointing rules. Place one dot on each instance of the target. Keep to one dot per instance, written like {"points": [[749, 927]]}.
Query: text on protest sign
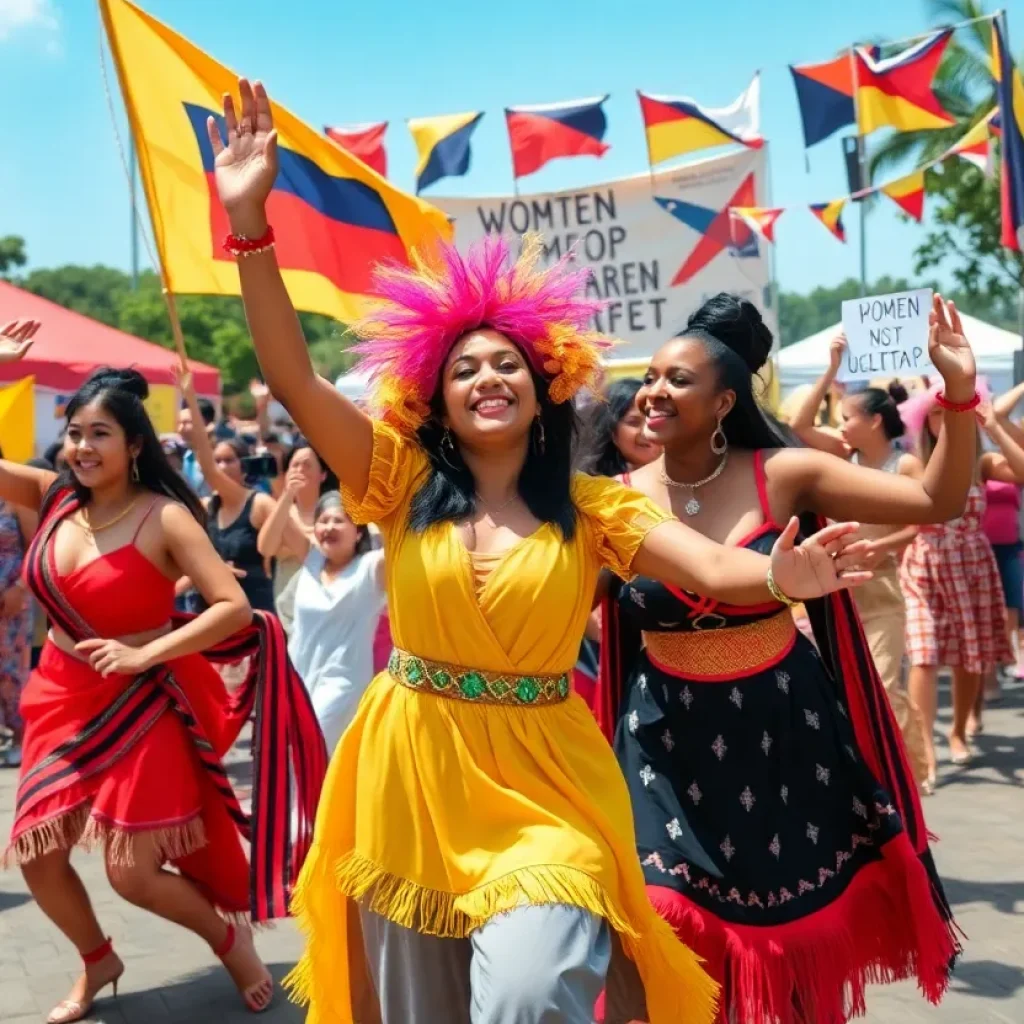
{"points": [[886, 336]]}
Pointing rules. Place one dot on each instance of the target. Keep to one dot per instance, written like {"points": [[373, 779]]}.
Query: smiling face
{"points": [[95, 447], [631, 441], [488, 391], [680, 398], [336, 535]]}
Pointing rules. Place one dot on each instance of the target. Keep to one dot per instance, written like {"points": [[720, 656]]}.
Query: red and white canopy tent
{"points": [[70, 346]]}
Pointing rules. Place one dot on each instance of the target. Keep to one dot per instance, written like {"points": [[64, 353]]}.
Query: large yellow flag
{"points": [[333, 217], [18, 420]]}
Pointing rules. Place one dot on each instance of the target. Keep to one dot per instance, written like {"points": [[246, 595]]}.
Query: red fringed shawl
{"points": [[288, 750]]}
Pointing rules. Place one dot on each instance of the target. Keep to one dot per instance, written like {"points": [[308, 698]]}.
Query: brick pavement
{"points": [[172, 977]]}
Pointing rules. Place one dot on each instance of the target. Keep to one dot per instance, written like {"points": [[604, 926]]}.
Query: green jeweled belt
{"points": [[475, 685]]}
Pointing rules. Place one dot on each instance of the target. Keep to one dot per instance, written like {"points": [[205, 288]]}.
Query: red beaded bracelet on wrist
{"points": [[239, 245], [949, 406]]}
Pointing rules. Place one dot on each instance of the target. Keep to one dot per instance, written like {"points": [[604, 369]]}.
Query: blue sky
{"points": [[336, 61]]}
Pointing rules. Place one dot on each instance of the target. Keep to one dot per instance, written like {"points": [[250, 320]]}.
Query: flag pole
{"points": [[133, 128], [134, 217], [860, 167]]}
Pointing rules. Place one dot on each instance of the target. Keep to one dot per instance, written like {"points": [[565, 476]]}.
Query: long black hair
{"points": [[739, 343], [121, 393], [601, 455], [876, 402], [545, 482]]}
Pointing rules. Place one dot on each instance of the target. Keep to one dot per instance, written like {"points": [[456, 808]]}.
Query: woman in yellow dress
{"points": [[473, 857]]}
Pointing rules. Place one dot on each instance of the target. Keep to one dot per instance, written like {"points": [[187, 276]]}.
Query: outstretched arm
{"points": [[246, 169], [1006, 465], [673, 553], [842, 490]]}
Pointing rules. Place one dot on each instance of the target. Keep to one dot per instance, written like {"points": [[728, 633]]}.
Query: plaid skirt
{"points": [[955, 611]]}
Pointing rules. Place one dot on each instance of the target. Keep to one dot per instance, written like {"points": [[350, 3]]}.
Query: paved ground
{"points": [[172, 977]]}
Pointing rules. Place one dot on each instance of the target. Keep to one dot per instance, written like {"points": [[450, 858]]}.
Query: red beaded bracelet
{"points": [[239, 245], [958, 406]]}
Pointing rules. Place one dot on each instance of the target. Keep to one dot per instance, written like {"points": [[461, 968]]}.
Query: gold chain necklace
{"points": [[692, 507], [491, 513], [110, 522]]}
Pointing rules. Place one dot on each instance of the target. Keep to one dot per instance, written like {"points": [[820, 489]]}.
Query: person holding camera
{"points": [[235, 511]]}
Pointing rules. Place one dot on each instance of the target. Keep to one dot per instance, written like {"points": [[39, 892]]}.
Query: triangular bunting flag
{"points": [[907, 193], [758, 218], [831, 215]]}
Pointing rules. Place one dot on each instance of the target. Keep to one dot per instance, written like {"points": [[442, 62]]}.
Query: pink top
{"points": [[1002, 508]]}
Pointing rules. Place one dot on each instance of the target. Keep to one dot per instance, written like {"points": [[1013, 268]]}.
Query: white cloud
{"points": [[36, 15]]}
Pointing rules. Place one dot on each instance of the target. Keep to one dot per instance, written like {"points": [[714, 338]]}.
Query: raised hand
{"points": [[950, 351], [836, 349], [184, 379], [827, 561], [16, 339], [245, 168], [985, 415]]}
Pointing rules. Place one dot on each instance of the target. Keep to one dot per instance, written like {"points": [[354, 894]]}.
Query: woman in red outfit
{"points": [[126, 721]]}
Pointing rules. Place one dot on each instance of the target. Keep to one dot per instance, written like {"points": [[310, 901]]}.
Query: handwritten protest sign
{"points": [[886, 336]]}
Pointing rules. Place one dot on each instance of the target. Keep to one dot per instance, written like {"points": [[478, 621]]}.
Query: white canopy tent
{"points": [[805, 361]]}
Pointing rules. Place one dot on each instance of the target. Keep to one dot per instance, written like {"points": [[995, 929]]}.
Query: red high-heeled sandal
{"points": [[251, 993], [67, 1011]]}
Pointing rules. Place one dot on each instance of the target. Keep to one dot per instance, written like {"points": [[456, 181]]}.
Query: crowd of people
{"points": [[601, 774]]}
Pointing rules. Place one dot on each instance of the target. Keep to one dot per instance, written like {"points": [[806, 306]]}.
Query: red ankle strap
{"points": [[226, 946], [99, 953]]}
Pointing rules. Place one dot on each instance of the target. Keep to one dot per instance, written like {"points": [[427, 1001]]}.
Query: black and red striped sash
{"points": [[288, 749]]}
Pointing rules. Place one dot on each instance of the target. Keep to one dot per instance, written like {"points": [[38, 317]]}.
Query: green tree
{"points": [[965, 217], [12, 253]]}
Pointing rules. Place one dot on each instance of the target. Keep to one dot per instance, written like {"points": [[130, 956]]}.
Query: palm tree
{"points": [[963, 85]]}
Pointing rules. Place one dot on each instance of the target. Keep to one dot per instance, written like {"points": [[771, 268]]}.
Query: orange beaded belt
{"points": [[476, 685], [719, 655]]}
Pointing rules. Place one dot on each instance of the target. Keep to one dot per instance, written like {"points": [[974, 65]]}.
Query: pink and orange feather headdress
{"points": [[422, 310]]}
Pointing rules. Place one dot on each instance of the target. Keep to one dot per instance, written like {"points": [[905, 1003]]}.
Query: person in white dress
{"points": [[339, 596]]}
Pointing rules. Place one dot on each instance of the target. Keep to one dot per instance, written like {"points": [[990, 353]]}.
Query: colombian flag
{"points": [[334, 218], [897, 92], [1011, 123], [757, 218], [538, 134], [678, 125], [907, 193], [365, 141], [825, 94], [443, 146], [831, 215]]}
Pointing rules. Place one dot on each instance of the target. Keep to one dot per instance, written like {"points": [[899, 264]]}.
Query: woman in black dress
{"points": [[235, 511], [778, 826]]}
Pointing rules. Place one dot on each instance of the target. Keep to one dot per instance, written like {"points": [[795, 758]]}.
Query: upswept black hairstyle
{"points": [[121, 393], [545, 482], [601, 456], [332, 499], [739, 343], [876, 402]]}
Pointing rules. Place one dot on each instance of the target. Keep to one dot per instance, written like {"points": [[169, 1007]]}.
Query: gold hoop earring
{"points": [[719, 442], [136, 478]]}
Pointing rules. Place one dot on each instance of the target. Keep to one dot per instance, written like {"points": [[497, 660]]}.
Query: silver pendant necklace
{"points": [[692, 506]]}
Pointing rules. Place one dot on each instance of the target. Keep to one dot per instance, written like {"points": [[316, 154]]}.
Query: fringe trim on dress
{"points": [[78, 829], [885, 927], [684, 994]]}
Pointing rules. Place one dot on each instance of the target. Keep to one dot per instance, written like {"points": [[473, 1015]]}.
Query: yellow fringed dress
{"points": [[439, 813]]}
